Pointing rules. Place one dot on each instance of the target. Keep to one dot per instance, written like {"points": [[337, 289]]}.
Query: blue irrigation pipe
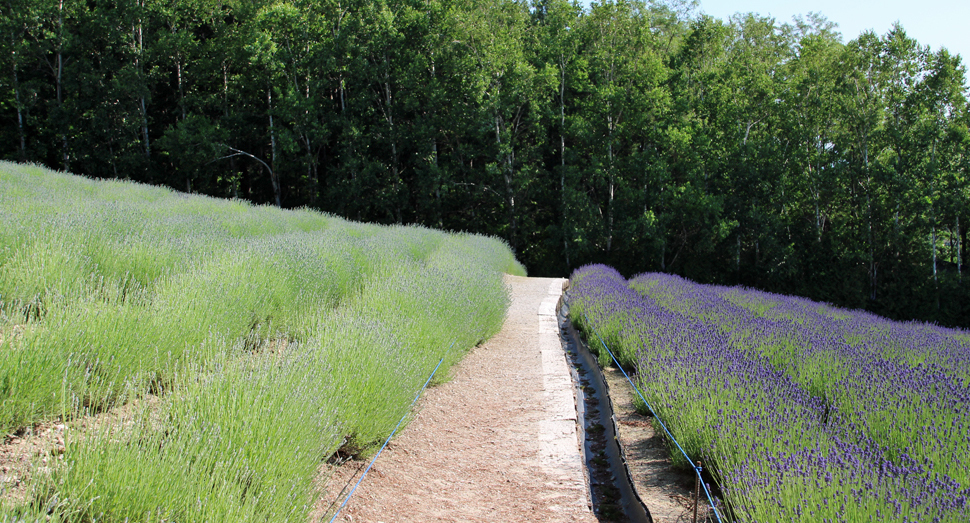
{"points": [[416, 396], [697, 469]]}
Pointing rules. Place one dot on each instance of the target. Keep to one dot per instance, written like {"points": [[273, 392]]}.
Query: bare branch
{"points": [[244, 153]]}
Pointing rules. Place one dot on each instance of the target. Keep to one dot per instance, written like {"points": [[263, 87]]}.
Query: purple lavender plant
{"points": [[805, 412]]}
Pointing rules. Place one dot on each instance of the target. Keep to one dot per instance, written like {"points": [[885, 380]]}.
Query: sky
{"points": [[937, 23]]}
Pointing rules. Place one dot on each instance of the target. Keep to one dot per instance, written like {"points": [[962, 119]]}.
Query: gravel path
{"points": [[498, 442]]}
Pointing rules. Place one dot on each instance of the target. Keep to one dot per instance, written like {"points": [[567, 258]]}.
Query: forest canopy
{"points": [[640, 134]]}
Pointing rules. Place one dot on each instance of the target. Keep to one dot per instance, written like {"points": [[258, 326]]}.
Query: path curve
{"points": [[496, 443]]}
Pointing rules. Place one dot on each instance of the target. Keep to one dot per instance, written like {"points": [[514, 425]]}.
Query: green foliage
{"points": [[640, 134], [241, 344]]}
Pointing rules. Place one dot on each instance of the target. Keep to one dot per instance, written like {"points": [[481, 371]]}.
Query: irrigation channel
{"points": [[612, 494], [503, 439]]}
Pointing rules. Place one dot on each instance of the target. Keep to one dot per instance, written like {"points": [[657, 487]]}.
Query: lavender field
{"points": [[204, 357], [801, 411]]}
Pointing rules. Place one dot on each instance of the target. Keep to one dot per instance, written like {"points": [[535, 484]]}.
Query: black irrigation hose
{"points": [[586, 371], [697, 468]]}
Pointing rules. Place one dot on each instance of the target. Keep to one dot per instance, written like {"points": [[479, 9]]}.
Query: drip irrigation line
{"points": [[416, 396], [697, 469]]}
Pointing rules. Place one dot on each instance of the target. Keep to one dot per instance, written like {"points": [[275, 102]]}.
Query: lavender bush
{"points": [[803, 411]]}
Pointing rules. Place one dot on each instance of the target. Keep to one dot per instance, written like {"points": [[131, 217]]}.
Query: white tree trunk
{"points": [[60, 74], [144, 128], [178, 72], [16, 95], [562, 157], [508, 160], [609, 206], [343, 105], [225, 112], [959, 249], [272, 139], [389, 116], [737, 255], [138, 37], [872, 249]]}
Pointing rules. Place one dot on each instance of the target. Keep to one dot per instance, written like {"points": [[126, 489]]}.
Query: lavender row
{"points": [[714, 371], [898, 387]]}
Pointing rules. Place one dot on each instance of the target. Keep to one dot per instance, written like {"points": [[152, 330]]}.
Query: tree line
{"points": [[639, 134]]}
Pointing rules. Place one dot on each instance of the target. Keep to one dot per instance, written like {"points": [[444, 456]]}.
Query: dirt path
{"points": [[496, 443]]}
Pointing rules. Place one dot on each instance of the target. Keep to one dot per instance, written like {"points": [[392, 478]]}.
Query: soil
{"points": [[498, 442], [24, 454], [33, 450]]}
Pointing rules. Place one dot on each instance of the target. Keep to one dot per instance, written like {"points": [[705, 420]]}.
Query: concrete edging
{"points": [[560, 450]]}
